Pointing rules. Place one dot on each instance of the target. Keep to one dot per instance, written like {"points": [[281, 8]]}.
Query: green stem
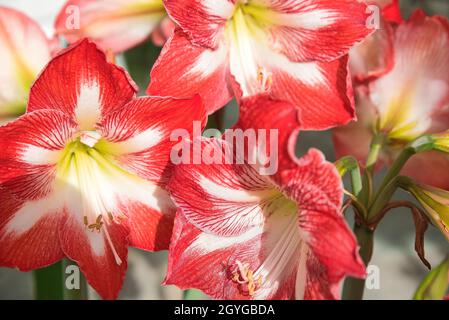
{"points": [[50, 283], [193, 294], [376, 146], [353, 288], [367, 190]]}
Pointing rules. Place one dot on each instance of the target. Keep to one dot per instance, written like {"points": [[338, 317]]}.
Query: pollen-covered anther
{"points": [[264, 78], [96, 226], [244, 277]]}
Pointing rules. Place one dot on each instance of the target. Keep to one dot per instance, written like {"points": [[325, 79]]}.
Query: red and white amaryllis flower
{"points": [[241, 235], [295, 50], [410, 100], [115, 25], [19, 36], [82, 172]]}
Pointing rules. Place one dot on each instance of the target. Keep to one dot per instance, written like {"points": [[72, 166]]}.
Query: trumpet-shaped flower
{"points": [[115, 25], [24, 51], [82, 173], [294, 50], [242, 235], [410, 100]]}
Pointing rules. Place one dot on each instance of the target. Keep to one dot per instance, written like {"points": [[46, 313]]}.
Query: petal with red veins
{"points": [[417, 88], [314, 30], [32, 146], [202, 20], [223, 206], [101, 256], [82, 84], [317, 188], [115, 25], [261, 253], [321, 90], [19, 37], [138, 135], [280, 124], [183, 70], [29, 231]]}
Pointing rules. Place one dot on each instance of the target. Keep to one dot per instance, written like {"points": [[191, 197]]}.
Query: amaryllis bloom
{"points": [[24, 51], [115, 25], [409, 100], [293, 50], [82, 173], [242, 235]]}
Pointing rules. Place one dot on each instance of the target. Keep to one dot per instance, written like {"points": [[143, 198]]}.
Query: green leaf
{"points": [[435, 284]]}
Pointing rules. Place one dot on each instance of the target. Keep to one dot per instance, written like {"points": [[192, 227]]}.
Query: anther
{"points": [[243, 276], [264, 78]]}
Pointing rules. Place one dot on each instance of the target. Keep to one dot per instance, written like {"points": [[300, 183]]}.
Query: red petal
{"points": [[29, 235], [115, 25], [220, 198], [139, 135], [188, 267], [81, 83], [317, 30], [202, 20], [31, 147], [183, 70], [103, 262], [263, 113], [321, 91], [392, 11], [317, 188]]}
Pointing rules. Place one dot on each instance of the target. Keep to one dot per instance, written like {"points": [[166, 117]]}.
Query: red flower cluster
{"points": [[86, 171]]}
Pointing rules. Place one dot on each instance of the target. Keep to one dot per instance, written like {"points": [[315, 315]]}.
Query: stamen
{"points": [[97, 225], [243, 276], [265, 78]]}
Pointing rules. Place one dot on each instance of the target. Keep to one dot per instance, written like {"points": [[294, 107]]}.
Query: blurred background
{"points": [[400, 269]]}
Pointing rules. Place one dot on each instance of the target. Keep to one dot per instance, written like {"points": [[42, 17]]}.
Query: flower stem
{"points": [[353, 288], [50, 283], [193, 294]]}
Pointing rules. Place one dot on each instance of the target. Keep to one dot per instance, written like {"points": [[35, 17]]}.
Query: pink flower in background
{"points": [[293, 50], [82, 173], [115, 25], [373, 57], [24, 51], [241, 235], [409, 100]]}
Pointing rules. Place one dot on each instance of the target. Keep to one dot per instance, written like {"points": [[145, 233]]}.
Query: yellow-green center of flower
{"points": [[87, 167]]}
